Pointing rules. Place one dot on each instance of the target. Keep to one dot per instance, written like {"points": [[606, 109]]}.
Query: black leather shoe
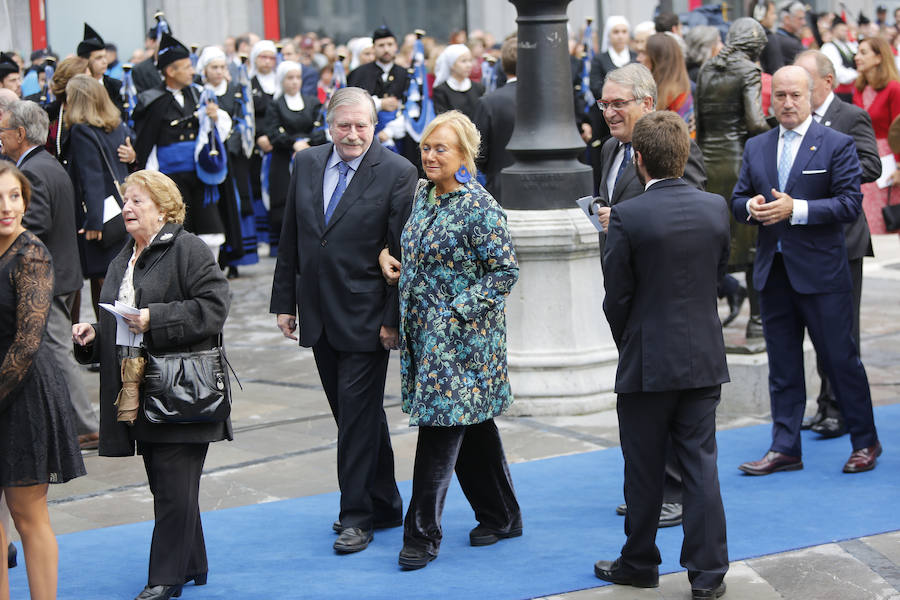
{"points": [[810, 422], [414, 558], [830, 427], [198, 579], [353, 539], [704, 594], [337, 527], [735, 301], [485, 536], [754, 327], [614, 573], [669, 514], [11, 553], [159, 592]]}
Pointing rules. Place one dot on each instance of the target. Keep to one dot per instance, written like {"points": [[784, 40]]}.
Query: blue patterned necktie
{"points": [[625, 160], [343, 168], [787, 158]]}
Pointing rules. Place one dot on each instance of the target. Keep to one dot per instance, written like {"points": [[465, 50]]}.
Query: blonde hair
{"points": [[467, 136], [163, 192], [88, 102], [67, 69]]}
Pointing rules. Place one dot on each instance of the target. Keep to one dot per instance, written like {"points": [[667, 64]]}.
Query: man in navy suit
{"points": [[665, 252], [800, 182]]}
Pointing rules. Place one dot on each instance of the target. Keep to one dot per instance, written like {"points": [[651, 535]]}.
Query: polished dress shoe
{"points": [[414, 558], [718, 592], [337, 527], [772, 462], [11, 553], [863, 459], [810, 422], [352, 539], [735, 301], [830, 427], [754, 328], [198, 579], [159, 592], [669, 514], [485, 536], [614, 573]]}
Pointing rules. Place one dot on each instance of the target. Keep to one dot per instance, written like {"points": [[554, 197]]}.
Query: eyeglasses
{"points": [[615, 104], [8, 128]]}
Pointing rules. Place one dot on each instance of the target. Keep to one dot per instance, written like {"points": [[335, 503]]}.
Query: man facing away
{"points": [[665, 252], [348, 200]]}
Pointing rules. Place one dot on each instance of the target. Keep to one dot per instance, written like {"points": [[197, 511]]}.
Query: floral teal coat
{"points": [[458, 265]]}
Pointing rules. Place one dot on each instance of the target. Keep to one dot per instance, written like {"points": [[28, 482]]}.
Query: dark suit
{"points": [[665, 252], [369, 77], [329, 276], [496, 120], [803, 277], [855, 122]]}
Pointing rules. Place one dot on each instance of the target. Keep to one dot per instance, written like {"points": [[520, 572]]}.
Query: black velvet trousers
{"points": [[475, 452], [178, 548]]}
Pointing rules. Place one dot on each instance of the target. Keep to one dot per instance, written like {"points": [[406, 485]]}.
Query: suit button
{"points": [[324, 243]]}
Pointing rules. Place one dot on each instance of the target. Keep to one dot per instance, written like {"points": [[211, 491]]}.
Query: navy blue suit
{"points": [[803, 277]]}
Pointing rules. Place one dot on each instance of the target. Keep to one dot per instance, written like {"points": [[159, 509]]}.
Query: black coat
{"points": [[666, 251], [51, 217], [446, 98], [329, 275], [496, 120], [114, 89], [855, 122], [368, 77], [188, 297], [145, 75]]}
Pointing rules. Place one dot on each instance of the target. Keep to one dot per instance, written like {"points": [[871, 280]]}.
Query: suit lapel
{"points": [[318, 194], [771, 150], [807, 149], [361, 181], [628, 175]]}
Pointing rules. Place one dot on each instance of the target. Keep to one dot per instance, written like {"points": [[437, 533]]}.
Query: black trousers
{"points": [[177, 548], [828, 404], [646, 421], [354, 385], [475, 452]]}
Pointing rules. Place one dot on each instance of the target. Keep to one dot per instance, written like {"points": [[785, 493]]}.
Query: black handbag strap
{"points": [[109, 168], [221, 344]]}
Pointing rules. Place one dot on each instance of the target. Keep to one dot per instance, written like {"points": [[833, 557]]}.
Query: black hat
{"points": [[838, 21], [862, 19], [39, 54], [91, 42], [7, 65], [170, 50], [382, 32]]}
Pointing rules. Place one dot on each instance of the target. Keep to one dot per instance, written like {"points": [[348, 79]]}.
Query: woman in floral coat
{"points": [[457, 267]]}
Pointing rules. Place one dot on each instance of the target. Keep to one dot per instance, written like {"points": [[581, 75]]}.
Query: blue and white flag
{"points": [[419, 108], [586, 59], [246, 121], [129, 93]]}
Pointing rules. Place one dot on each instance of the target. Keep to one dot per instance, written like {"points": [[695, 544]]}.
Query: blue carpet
{"points": [[282, 550]]}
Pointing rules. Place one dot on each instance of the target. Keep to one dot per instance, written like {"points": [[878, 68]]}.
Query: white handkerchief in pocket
{"points": [[815, 172], [111, 208]]}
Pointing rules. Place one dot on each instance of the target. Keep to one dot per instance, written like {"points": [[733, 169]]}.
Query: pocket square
{"points": [[815, 171]]}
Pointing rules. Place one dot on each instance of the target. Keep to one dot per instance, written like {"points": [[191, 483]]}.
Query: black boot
{"points": [[11, 556]]}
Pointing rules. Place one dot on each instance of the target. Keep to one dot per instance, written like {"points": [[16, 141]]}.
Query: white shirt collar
{"points": [[335, 158], [801, 128], [460, 86], [824, 108], [384, 66], [652, 181], [295, 102], [220, 89], [620, 59]]}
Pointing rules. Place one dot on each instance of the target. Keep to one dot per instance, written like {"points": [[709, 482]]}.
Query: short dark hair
{"points": [[663, 140], [509, 55], [666, 22]]}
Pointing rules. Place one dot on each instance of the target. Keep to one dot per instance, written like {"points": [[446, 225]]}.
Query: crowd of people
{"points": [[156, 180]]}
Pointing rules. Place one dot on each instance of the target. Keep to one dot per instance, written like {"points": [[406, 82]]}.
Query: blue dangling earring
{"points": [[462, 175]]}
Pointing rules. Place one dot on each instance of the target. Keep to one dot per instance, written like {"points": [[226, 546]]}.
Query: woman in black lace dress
{"points": [[38, 445]]}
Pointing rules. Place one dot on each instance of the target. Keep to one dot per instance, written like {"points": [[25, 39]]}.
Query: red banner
{"points": [[38, 24], [271, 20]]}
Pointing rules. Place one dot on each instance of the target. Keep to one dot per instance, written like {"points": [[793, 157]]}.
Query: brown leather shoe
{"points": [[863, 459], [89, 441], [772, 462]]}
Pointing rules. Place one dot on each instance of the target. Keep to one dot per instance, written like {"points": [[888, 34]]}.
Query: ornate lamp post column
{"points": [[562, 358]]}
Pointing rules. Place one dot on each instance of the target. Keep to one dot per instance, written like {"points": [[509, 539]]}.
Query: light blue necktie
{"points": [[787, 158], [343, 168]]}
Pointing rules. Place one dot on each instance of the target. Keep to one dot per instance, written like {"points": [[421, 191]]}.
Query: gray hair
{"points": [[793, 8], [700, 41], [350, 96], [636, 76], [28, 114], [7, 97], [824, 66]]}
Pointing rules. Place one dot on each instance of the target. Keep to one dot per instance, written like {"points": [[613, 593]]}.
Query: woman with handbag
{"points": [[182, 295], [96, 132]]}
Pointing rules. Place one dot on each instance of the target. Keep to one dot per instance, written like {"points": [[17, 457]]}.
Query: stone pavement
{"points": [[285, 438]]}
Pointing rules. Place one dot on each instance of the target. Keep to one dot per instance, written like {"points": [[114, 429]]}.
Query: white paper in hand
{"points": [[124, 336], [111, 208], [888, 166]]}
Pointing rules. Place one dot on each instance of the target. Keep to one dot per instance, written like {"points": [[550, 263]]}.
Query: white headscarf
{"points": [[356, 46], [610, 23], [266, 82], [209, 54], [281, 72], [445, 62]]}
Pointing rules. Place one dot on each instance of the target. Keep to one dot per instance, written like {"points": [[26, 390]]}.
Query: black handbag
{"points": [[891, 214], [187, 387], [114, 233]]}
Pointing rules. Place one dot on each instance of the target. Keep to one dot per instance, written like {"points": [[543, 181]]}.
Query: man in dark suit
{"points": [[496, 119], [628, 94], [793, 19], [665, 252], [801, 183], [51, 216], [347, 201], [93, 48], [831, 111]]}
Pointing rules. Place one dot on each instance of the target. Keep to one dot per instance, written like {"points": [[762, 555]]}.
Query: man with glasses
{"points": [[347, 200], [628, 94]]}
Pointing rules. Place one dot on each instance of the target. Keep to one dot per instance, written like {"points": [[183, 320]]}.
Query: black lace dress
{"points": [[37, 431]]}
